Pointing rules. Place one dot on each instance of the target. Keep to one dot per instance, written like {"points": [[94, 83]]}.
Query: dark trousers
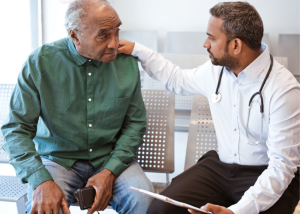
{"points": [[211, 181]]}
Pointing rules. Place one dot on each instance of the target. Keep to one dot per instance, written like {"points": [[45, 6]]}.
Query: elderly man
{"points": [[92, 118], [255, 169]]}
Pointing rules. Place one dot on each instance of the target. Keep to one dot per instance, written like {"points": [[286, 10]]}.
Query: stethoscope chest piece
{"points": [[215, 98]]}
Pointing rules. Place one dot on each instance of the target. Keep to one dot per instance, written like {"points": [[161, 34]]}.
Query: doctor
{"points": [[255, 169]]}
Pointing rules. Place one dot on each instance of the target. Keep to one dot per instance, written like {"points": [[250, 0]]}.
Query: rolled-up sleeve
{"points": [[20, 128]]}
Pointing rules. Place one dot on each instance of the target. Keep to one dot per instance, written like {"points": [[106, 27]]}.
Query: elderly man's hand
{"points": [[125, 47], [48, 198], [103, 184], [214, 209]]}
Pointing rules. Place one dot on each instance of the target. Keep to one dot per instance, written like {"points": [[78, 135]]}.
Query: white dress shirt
{"points": [[279, 147]]}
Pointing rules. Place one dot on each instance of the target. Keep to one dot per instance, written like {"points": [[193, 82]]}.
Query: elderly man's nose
{"points": [[114, 43]]}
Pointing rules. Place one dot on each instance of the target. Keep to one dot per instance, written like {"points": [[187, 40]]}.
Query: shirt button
{"points": [[90, 60], [90, 99], [90, 74], [91, 150], [234, 105], [235, 130], [234, 154], [90, 125]]}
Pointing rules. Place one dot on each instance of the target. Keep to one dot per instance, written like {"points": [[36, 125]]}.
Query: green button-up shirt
{"points": [[66, 107]]}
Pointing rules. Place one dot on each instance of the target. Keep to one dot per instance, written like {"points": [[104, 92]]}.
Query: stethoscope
{"points": [[216, 97]]}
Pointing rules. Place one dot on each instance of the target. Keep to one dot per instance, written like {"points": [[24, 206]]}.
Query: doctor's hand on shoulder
{"points": [[125, 47], [214, 209]]}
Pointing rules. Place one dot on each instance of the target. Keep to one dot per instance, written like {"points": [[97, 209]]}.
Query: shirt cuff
{"points": [[115, 166], [141, 52], [245, 206], [39, 177]]}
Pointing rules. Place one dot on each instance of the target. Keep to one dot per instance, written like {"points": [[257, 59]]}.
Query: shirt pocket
{"points": [[115, 110]]}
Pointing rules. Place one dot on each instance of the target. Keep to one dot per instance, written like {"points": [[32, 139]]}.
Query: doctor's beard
{"points": [[226, 60]]}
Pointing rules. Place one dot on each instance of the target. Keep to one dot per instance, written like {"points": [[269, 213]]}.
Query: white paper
{"points": [[168, 200]]}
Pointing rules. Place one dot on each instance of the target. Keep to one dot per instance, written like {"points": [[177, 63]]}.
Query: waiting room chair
{"points": [[202, 135], [266, 40], [183, 104], [185, 43], [157, 152], [155, 155], [146, 38], [11, 189], [289, 47]]}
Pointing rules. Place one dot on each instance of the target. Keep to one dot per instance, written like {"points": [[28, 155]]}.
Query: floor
{"points": [[180, 150]]}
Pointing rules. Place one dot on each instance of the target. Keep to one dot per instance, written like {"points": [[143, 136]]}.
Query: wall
{"points": [[279, 16]]}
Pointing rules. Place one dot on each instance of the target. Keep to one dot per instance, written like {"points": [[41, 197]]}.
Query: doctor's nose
{"points": [[206, 44]]}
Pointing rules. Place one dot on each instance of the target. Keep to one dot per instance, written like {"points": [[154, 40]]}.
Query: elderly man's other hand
{"points": [[214, 209], [48, 198], [125, 47], [103, 184]]}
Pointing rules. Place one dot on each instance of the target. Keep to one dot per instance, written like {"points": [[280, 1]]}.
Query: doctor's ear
{"points": [[237, 45]]}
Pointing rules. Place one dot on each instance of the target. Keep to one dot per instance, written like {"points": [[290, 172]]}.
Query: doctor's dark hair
{"points": [[240, 20]]}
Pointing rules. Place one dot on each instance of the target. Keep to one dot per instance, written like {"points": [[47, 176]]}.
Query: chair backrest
{"points": [[5, 94], [266, 40], [185, 61], [185, 42], [202, 135], [289, 47], [146, 38], [156, 154], [282, 60]]}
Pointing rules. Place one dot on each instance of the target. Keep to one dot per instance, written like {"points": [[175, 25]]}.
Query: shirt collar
{"points": [[80, 60], [259, 64]]}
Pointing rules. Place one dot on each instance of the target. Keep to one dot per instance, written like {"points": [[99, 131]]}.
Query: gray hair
{"points": [[76, 12]]}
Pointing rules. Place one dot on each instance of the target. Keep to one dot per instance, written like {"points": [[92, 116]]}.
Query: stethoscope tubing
{"points": [[251, 142]]}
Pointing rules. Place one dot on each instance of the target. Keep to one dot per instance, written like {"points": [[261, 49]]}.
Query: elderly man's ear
{"points": [[74, 37]]}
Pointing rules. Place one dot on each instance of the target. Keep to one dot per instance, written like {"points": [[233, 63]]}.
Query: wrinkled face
{"points": [[217, 44], [99, 40]]}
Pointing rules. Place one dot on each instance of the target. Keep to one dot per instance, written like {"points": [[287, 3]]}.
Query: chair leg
{"points": [[21, 204], [168, 178]]}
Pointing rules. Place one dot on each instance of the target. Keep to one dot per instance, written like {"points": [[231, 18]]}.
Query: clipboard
{"points": [[168, 200]]}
